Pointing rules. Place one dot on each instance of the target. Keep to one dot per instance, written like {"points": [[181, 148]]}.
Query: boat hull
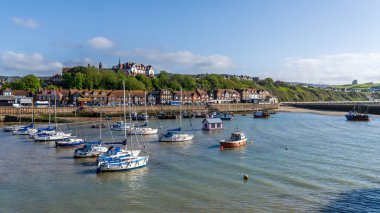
{"points": [[177, 138], [123, 165], [357, 118], [233, 144], [142, 131]]}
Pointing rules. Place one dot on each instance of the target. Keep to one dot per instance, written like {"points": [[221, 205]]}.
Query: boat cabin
{"points": [[212, 124], [237, 136]]}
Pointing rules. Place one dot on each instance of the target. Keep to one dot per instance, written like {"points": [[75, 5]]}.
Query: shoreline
{"points": [[292, 109], [314, 111]]}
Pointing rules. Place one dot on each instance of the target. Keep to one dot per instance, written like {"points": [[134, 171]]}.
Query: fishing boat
{"points": [[237, 139], [163, 115], [139, 117], [117, 159], [261, 114], [176, 135], [71, 141], [357, 116], [223, 116]]}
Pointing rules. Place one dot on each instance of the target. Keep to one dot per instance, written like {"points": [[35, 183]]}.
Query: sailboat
{"points": [[116, 159], [141, 130], [13, 128], [27, 130], [71, 141], [176, 135], [92, 149], [53, 135]]}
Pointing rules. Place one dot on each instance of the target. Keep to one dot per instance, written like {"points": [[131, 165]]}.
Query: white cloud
{"points": [[79, 62], [100, 42], [31, 23], [184, 61], [333, 69], [12, 63]]}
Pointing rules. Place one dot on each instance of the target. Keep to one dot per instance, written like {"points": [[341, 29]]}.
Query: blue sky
{"points": [[317, 41]]}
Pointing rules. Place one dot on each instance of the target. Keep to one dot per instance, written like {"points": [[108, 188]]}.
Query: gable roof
{"points": [[212, 120]]}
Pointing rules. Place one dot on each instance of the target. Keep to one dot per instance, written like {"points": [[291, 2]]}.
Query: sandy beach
{"points": [[303, 110]]}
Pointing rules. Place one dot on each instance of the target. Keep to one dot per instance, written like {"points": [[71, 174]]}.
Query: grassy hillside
{"points": [[365, 86], [298, 93]]}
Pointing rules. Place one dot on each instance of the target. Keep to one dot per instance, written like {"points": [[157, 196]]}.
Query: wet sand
{"points": [[315, 111]]}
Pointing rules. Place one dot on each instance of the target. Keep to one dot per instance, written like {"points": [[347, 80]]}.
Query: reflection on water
{"points": [[330, 165]]}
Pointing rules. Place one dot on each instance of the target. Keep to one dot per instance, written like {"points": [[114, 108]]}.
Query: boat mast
{"points": [[146, 112], [76, 123], [49, 110], [180, 110], [55, 108], [130, 114], [125, 116], [100, 127], [32, 110]]}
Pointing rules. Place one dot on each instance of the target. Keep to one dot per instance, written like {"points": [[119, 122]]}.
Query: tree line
{"points": [[91, 78]]}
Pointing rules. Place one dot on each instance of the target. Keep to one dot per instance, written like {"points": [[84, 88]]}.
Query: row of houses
{"points": [[137, 97]]}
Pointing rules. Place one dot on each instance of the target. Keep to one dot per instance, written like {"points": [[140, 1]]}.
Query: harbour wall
{"points": [[7, 112], [369, 107]]}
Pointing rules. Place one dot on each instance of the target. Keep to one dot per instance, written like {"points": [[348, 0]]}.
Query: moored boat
{"points": [[142, 131], [261, 114], [237, 139], [139, 117], [90, 150], [70, 142], [116, 159], [12, 128], [175, 135], [356, 116], [56, 136]]}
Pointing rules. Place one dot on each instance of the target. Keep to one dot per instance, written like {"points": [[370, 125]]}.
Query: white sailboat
{"points": [[27, 130], [52, 136], [176, 135], [72, 141], [141, 130], [116, 159], [92, 149]]}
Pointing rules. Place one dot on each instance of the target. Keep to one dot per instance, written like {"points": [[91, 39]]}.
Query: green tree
{"points": [[131, 83], [29, 82], [146, 81], [78, 81]]}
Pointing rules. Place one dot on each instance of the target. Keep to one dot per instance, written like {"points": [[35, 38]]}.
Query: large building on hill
{"points": [[134, 69], [129, 68]]}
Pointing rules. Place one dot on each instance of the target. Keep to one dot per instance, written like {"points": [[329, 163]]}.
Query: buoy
{"points": [[287, 148], [251, 141], [245, 177]]}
